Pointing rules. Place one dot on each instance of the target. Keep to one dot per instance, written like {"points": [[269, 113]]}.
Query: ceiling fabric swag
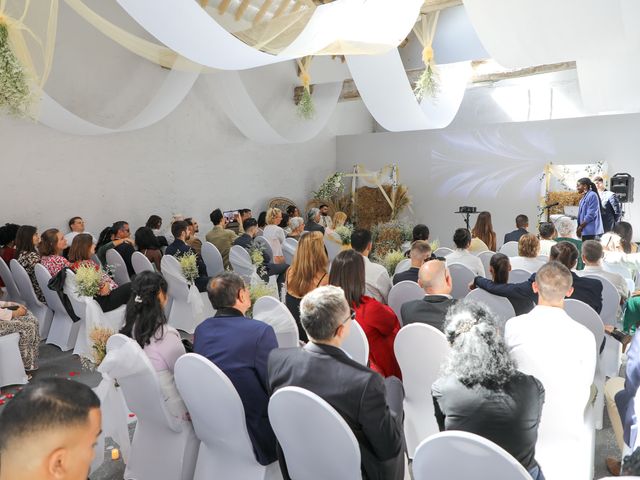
{"points": [[343, 26]]}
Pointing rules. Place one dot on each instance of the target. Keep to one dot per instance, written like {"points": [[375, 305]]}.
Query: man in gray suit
{"points": [[435, 279]]}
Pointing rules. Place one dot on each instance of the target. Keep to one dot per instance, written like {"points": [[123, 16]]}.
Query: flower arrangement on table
{"points": [[99, 337], [88, 279], [344, 232], [189, 266]]}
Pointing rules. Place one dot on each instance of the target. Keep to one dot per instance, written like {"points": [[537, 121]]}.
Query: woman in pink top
{"points": [[146, 323], [52, 244]]}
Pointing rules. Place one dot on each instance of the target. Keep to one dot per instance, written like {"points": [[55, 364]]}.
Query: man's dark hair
{"points": [[522, 221], [178, 227], [420, 232], [291, 209], [360, 238], [216, 216], [242, 211], [323, 205], [119, 225], [462, 238], [546, 230], [72, 220], [46, 405], [248, 223], [223, 289], [564, 252], [189, 221], [8, 233]]}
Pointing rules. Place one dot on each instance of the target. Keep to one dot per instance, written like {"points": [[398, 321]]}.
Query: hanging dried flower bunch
{"points": [[428, 85], [306, 107], [15, 94]]}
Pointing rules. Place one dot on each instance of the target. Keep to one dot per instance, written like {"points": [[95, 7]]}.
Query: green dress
{"points": [[578, 244]]}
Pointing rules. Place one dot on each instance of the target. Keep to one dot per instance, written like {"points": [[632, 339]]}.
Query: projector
{"points": [[467, 210]]}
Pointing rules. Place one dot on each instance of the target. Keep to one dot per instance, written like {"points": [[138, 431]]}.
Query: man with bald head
{"points": [[49, 432], [435, 280]]}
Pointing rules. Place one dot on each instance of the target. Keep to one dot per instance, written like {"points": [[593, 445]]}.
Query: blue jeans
{"points": [[536, 473]]}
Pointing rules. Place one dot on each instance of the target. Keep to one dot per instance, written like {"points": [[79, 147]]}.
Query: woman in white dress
{"points": [[274, 234]]}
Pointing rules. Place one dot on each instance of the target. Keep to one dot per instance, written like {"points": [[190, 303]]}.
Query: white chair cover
{"points": [[289, 248], [63, 331], [163, 447], [13, 294], [11, 366], [510, 249], [219, 422], [188, 308], [96, 259], [35, 306], [442, 252], [120, 273], [485, 258], [461, 277], [519, 275], [212, 259], [91, 315], [241, 263], [500, 306], [264, 244], [420, 350], [141, 263], [403, 266], [333, 247], [544, 258], [401, 293], [273, 312], [356, 344], [461, 456], [332, 449], [619, 268], [610, 300]]}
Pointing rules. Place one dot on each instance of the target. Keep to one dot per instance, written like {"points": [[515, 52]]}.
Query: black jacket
{"points": [[411, 274], [515, 235], [313, 227], [432, 310]]}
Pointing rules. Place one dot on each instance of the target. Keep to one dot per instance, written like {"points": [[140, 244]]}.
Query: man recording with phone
{"points": [[220, 236]]}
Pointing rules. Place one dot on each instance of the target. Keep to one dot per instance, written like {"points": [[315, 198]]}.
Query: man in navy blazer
{"points": [[587, 290], [522, 223], [240, 347]]}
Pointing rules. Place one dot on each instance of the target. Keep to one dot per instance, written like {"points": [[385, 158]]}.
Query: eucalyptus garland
{"points": [[428, 85], [330, 188], [15, 94], [306, 108]]}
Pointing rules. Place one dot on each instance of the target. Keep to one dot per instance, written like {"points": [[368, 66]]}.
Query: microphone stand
{"points": [[466, 217]]}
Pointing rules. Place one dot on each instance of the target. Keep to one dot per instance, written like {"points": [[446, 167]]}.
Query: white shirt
{"points": [[526, 263], [326, 221], [618, 280], [377, 281], [469, 260], [276, 237], [545, 247], [71, 235]]}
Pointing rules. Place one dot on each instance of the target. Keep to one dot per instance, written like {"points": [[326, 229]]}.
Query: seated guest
{"points": [[250, 226], [566, 228], [293, 211], [462, 255], [146, 323], [592, 254], [192, 235], [522, 223], [499, 267], [7, 244], [586, 290], [274, 234], [377, 277], [313, 221], [52, 244], [15, 318], [528, 251], [481, 390], [221, 237], [420, 232], [155, 224], [76, 226], [149, 245], [111, 296], [27, 238], [325, 218], [120, 231], [262, 222], [538, 342], [432, 308], [107, 240], [180, 230], [483, 236], [240, 347], [547, 232], [296, 225], [371, 406], [378, 321], [176, 217], [339, 219], [284, 224], [307, 272], [49, 431], [625, 230], [420, 252]]}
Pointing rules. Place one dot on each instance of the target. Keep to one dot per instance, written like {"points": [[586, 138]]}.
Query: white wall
{"points": [[192, 162], [494, 167]]}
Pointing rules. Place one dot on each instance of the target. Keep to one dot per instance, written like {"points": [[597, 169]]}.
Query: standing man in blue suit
{"points": [[240, 347]]}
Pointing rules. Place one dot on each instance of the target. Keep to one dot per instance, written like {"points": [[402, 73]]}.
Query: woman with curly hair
{"points": [[482, 391]]}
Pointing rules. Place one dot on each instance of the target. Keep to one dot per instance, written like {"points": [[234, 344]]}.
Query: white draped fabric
{"points": [[194, 298]]}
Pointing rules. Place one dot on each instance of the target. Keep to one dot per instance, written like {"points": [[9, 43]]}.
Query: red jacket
{"points": [[381, 326]]}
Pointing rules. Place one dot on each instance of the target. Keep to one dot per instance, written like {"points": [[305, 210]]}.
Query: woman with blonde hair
{"points": [[339, 219], [274, 234], [308, 271], [528, 251], [483, 236]]}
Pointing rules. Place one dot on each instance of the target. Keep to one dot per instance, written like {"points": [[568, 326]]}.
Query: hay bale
{"points": [[564, 199]]}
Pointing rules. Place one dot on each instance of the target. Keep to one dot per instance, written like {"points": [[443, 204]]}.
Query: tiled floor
{"points": [[53, 362]]}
